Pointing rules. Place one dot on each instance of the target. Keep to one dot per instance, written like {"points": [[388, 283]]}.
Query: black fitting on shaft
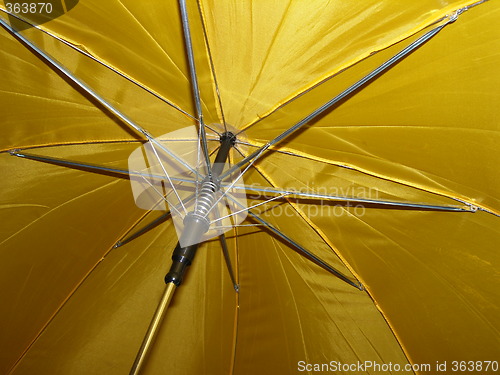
{"points": [[181, 260], [227, 140], [182, 256], [228, 137]]}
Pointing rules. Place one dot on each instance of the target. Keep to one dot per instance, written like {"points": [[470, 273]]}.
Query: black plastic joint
{"points": [[228, 136], [181, 260]]}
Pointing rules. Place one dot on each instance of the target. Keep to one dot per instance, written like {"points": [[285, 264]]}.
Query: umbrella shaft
{"points": [[196, 226], [153, 329], [227, 140], [196, 223]]}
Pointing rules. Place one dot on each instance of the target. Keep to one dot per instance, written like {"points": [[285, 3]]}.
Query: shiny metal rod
{"points": [[181, 259], [114, 70], [143, 230], [90, 91], [212, 66], [225, 252], [194, 80], [153, 329], [126, 173], [227, 258], [351, 89], [343, 199], [302, 250]]}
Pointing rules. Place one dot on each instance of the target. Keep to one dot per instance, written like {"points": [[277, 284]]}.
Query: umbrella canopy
{"points": [[422, 130]]}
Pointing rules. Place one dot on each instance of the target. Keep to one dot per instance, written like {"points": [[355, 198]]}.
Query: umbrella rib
{"points": [[194, 81], [249, 208], [82, 85], [301, 249], [102, 142], [185, 140], [298, 194], [212, 66], [129, 237], [101, 62], [168, 177], [473, 206], [308, 223], [225, 252], [451, 17], [49, 145], [225, 248], [305, 195], [126, 239], [163, 196], [93, 167], [227, 258], [316, 230], [347, 92], [125, 173]]}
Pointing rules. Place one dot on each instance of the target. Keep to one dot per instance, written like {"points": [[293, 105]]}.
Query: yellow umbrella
{"points": [[368, 137]]}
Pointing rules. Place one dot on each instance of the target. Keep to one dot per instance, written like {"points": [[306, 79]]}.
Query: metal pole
{"points": [[302, 250], [82, 85], [114, 70], [196, 225], [194, 79], [140, 360], [351, 89]]}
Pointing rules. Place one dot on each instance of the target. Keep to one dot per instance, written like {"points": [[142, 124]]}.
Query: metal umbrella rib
{"points": [[281, 192], [194, 81], [99, 61], [227, 258], [300, 248], [86, 88], [472, 206], [212, 67], [132, 236], [350, 90]]}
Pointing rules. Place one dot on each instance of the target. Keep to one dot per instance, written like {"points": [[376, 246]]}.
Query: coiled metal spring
{"points": [[206, 198]]}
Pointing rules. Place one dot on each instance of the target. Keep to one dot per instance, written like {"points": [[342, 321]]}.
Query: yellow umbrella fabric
{"points": [[425, 131]]}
